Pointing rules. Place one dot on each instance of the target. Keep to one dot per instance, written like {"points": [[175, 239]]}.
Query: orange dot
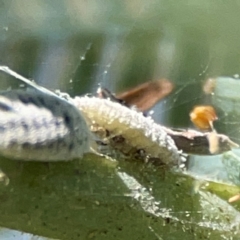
{"points": [[203, 117]]}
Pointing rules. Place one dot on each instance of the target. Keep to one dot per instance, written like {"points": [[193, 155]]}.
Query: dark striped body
{"points": [[41, 127]]}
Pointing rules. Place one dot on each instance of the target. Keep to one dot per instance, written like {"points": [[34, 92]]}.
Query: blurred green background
{"points": [[74, 45], [120, 43]]}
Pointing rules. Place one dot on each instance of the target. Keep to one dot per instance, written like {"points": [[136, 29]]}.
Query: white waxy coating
{"points": [[41, 127], [138, 131]]}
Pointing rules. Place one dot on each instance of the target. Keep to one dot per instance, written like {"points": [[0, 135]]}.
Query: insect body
{"points": [[41, 127], [135, 132]]}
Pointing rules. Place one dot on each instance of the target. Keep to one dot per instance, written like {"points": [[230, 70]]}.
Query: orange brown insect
{"points": [[203, 117], [146, 95]]}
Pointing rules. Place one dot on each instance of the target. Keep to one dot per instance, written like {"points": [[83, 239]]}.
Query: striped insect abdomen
{"points": [[41, 127]]}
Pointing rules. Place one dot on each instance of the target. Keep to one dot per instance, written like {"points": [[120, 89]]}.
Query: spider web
{"points": [[115, 61]]}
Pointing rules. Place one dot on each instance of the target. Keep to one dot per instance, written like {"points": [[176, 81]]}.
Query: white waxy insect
{"points": [[137, 133], [38, 125]]}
